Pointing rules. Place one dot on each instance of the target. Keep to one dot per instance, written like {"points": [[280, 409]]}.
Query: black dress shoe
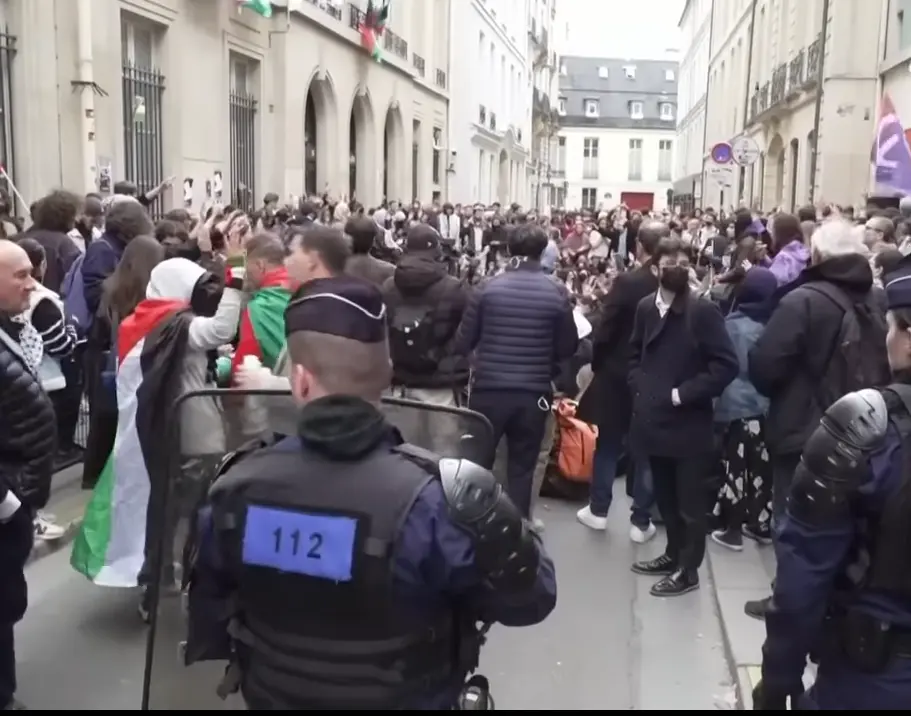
{"points": [[673, 585], [655, 567]]}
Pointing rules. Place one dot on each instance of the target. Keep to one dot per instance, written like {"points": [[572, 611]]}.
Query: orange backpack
{"points": [[575, 443]]}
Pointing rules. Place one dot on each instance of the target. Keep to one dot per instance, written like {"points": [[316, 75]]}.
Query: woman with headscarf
{"points": [[745, 498]]}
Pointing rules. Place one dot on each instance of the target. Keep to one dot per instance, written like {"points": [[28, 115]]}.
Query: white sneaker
{"points": [[590, 520], [640, 536], [46, 530]]}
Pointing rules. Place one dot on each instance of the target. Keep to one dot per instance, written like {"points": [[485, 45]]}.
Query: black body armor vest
{"points": [[318, 624]]}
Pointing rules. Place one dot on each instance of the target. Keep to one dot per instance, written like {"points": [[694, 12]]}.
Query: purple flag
{"points": [[891, 156]]}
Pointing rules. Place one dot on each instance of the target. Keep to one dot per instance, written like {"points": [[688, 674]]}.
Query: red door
{"points": [[638, 200]]}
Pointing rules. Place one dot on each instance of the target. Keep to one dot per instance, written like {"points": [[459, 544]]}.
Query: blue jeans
{"points": [[607, 453]]}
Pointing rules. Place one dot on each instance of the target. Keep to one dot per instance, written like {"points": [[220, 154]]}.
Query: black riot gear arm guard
{"points": [[506, 550], [835, 458]]}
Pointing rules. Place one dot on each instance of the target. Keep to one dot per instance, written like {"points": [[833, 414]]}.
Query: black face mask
{"points": [[675, 278]]}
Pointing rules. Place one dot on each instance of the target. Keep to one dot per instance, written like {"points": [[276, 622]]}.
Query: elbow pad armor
{"points": [[506, 550]]}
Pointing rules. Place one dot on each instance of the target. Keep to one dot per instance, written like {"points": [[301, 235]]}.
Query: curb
{"points": [[43, 549], [739, 677]]}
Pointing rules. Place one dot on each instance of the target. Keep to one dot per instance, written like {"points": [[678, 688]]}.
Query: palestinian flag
{"points": [[262, 324], [151, 343], [260, 7]]}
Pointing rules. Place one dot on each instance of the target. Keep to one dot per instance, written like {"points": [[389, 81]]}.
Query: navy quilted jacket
{"points": [[520, 327]]}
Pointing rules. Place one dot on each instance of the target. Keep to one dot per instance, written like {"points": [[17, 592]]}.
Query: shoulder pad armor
{"points": [[860, 419], [472, 492]]}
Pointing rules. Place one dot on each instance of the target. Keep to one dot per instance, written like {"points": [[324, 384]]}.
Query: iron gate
{"points": [[143, 163], [243, 150], [7, 144]]}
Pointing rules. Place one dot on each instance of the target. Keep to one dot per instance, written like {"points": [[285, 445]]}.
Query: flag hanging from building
{"points": [[891, 155], [372, 26], [260, 7]]}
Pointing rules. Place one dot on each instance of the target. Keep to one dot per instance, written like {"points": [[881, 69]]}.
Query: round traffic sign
{"points": [[721, 153], [745, 151]]}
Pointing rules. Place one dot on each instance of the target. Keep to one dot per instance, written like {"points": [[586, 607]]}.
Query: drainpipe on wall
{"points": [[746, 96], [817, 109], [86, 88], [705, 123]]}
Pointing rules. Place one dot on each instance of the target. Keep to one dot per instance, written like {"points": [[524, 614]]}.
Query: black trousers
{"points": [[681, 487], [519, 418], [16, 537]]}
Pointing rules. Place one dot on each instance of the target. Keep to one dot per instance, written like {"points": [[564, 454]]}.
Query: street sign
{"points": [[723, 175], [721, 153], [745, 151]]}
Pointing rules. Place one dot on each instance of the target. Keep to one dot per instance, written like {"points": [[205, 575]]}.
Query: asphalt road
{"points": [[608, 645]]}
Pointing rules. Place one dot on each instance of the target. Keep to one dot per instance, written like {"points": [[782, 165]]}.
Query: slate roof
{"points": [[615, 93]]}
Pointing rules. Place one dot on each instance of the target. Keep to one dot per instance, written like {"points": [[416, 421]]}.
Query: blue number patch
{"points": [[300, 542]]}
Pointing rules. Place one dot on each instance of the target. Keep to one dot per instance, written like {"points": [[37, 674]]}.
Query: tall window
{"points": [[667, 111], [665, 159], [143, 92], [590, 159], [561, 154], [635, 110], [589, 198], [242, 107], [635, 160]]}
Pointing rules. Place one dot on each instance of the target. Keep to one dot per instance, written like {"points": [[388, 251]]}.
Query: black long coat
{"points": [[607, 402]]}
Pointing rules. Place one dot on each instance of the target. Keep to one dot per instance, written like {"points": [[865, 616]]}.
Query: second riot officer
{"points": [[843, 589], [341, 568]]}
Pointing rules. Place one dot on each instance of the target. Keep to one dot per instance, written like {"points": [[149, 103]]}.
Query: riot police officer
{"points": [[843, 590], [342, 569]]}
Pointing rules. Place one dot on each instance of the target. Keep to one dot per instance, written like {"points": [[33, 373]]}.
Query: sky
{"points": [[634, 29]]}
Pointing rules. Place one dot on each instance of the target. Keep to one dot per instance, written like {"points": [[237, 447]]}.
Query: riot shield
{"points": [[168, 683]]}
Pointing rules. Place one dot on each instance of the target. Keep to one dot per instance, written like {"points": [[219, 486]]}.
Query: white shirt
{"points": [[662, 306]]}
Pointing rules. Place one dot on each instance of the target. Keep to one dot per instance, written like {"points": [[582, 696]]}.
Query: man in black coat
{"points": [[682, 359], [28, 437], [608, 403]]}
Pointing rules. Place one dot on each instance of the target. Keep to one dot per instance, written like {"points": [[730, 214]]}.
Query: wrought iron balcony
{"points": [[482, 115], [395, 44], [355, 16], [418, 63], [795, 72], [440, 79], [331, 9], [814, 60], [779, 84]]}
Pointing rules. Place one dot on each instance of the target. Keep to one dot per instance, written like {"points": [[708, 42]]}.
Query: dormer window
{"points": [[592, 108], [561, 106], [669, 75], [602, 73], [563, 70], [635, 110], [667, 111], [630, 72]]}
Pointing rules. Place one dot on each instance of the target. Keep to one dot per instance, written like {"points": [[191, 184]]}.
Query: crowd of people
{"points": [[704, 350]]}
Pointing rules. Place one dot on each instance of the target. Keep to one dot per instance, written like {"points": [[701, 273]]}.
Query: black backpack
{"points": [[412, 341], [858, 359]]}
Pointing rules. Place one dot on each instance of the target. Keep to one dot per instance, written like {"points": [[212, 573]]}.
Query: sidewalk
{"points": [[739, 578], [67, 504]]}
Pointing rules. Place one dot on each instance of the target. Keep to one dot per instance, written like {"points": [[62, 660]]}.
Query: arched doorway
{"points": [[360, 149], [774, 184], [393, 154], [503, 182], [310, 147], [320, 120], [794, 155]]}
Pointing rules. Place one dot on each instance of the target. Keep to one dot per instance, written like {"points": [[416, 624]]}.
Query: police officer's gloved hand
{"points": [[765, 699]]}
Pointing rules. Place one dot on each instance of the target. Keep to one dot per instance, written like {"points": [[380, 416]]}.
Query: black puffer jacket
{"points": [[420, 281], [28, 431]]}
